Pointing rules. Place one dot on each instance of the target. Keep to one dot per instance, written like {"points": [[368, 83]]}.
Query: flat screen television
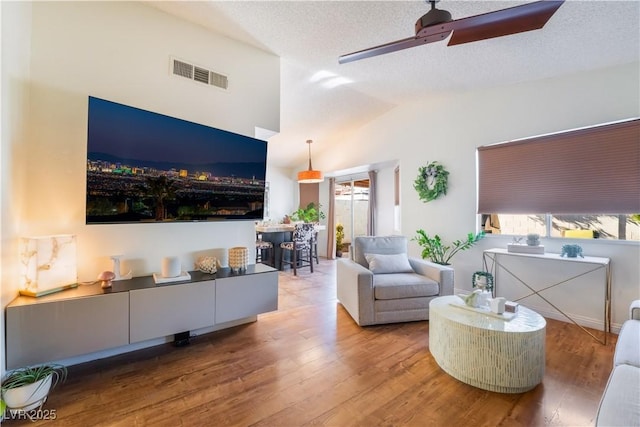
{"points": [[148, 167]]}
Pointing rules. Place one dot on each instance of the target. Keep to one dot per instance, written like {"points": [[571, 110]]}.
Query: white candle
{"points": [[171, 266]]}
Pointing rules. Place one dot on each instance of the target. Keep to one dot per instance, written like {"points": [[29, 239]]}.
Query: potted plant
{"points": [[339, 238], [310, 214], [27, 388], [434, 249], [533, 239]]}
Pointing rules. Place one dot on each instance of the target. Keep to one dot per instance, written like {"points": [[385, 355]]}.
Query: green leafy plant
{"points": [[311, 213], [436, 251], [32, 374], [339, 235], [339, 238]]}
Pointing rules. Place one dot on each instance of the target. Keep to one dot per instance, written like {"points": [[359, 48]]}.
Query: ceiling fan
{"points": [[437, 25]]}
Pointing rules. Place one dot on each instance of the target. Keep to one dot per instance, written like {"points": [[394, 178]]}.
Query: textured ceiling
{"points": [[310, 36]]}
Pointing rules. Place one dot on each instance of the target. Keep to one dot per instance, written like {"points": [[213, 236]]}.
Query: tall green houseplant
{"points": [[310, 214], [438, 252]]}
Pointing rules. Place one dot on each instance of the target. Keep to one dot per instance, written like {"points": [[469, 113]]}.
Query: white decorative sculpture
{"points": [[116, 269]]}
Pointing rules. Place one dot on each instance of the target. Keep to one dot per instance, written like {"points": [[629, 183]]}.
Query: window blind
{"points": [[590, 170]]}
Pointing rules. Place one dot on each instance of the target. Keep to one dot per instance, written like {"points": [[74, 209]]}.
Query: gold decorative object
{"points": [[238, 258], [207, 264]]}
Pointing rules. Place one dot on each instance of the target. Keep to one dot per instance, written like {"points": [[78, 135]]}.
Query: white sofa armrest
{"points": [[354, 286], [634, 310], [440, 273]]}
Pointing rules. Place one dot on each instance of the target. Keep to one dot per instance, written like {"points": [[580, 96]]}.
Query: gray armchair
{"points": [[382, 285]]}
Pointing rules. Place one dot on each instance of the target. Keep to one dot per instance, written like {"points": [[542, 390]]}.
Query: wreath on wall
{"points": [[431, 182]]}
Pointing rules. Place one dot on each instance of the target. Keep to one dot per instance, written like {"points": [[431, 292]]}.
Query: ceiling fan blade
{"points": [[518, 19], [392, 47], [513, 20]]}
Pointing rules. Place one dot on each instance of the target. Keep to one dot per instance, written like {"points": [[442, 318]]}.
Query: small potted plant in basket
{"points": [[27, 388]]}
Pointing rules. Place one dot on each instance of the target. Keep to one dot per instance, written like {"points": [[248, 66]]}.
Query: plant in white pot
{"points": [[27, 388]]}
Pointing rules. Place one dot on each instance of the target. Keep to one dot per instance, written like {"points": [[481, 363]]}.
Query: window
{"points": [[603, 226], [573, 175]]}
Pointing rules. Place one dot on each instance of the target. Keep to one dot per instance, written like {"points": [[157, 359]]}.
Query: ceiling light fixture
{"points": [[310, 176]]}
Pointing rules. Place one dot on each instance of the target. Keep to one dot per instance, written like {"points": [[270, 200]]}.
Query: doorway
{"points": [[351, 206]]}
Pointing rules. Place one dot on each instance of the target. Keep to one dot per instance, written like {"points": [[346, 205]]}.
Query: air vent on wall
{"points": [[198, 74]]}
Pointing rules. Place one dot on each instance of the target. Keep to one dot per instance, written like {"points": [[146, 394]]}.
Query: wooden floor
{"points": [[310, 364]]}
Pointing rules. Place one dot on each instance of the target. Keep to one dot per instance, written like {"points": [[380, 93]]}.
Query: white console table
{"points": [[492, 264], [89, 319]]}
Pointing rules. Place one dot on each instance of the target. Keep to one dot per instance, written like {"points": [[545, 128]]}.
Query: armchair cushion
{"points": [[403, 285], [387, 264], [634, 310], [628, 347], [377, 245]]}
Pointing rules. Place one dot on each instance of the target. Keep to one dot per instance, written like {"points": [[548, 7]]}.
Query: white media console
{"points": [[88, 319]]}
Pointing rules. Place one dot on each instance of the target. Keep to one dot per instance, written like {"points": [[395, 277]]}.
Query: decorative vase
{"points": [[207, 264], [171, 266], [483, 299], [238, 258]]}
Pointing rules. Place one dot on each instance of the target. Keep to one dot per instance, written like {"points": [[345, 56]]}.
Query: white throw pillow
{"points": [[386, 264]]}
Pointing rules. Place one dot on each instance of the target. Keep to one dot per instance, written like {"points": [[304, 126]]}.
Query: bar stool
{"points": [[314, 243], [300, 248], [265, 248]]}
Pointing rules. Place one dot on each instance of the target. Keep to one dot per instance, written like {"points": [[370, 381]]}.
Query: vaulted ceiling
{"points": [[322, 100]]}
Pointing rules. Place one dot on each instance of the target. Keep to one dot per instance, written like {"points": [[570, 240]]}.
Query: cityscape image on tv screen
{"points": [[148, 167]]}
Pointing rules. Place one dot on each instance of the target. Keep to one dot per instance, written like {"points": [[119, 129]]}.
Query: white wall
{"points": [[385, 197], [283, 193], [449, 128], [118, 51], [14, 89]]}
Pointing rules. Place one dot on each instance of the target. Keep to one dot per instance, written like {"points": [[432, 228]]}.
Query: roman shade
{"points": [[589, 170]]}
